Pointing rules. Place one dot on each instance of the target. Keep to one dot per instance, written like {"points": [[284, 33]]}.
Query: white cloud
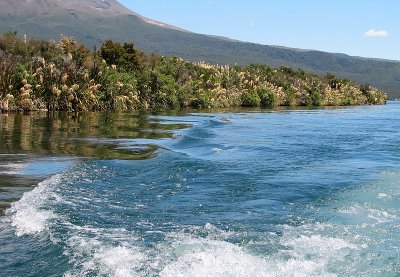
{"points": [[252, 24], [376, 33]]}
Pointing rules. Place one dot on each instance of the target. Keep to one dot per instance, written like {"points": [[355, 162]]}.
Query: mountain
{"points": [[93, 21]]}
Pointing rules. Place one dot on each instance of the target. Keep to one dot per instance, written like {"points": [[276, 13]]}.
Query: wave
{"points": [[30, 215], [343, 237], [11, 168], [214, 255], [101, 252], [197, 251]]}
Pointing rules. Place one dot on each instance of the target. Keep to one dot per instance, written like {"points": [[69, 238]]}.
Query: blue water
{"points": [[267, 193]]}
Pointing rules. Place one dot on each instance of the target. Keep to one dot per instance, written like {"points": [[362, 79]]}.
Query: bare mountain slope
{"points": [[99, 8]]}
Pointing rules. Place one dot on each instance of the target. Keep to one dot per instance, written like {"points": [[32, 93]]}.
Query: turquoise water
{"points": [[264, 193]]}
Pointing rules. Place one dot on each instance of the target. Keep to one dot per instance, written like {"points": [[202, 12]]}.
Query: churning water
{"points": [[268, 193]]}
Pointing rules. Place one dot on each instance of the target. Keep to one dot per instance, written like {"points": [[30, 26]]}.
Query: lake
{"points": [[286, 192]]}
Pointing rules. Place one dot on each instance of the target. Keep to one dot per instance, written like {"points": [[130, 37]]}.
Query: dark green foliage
{"points": [[123, 56], [348, 101], [365, 89], [315, 98], [129, 59], [111, 52], [251, 99], [267, 97], [312, 97]]}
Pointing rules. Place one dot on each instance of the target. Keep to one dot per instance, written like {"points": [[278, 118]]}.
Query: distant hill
{"points": [[93, 21]]}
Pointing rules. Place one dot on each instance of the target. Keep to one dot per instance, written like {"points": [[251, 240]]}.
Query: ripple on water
{"points": [[285, 209]]}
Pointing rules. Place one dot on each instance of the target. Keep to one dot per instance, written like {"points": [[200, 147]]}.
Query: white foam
{"points": [[312, 255], [214, 258], [30, 221], [366, 214], [99, 256], [226, 151], [320, 247], [384, 196], [204, 257], [30, 215], [381, 216], [216, 150], [203, 251], [213, 255], [120, 261]]}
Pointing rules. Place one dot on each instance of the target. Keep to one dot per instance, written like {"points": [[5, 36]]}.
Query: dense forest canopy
{"points": [[66, 75]]}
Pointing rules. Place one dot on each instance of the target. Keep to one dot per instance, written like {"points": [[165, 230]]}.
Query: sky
{"points": [[367, 28]]}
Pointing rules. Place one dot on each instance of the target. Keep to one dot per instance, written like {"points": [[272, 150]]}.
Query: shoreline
{"points": [[196, 110]]}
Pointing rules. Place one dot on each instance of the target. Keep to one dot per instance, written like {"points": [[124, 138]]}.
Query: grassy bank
{"points": [[65, 75]]}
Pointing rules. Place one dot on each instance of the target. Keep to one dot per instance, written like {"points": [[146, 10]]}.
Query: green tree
{"points": [[129, 59], [123, 56], [111, 52]]}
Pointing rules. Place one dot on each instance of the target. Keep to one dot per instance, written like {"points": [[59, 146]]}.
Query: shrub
{"points": [[251, 99], [315, 99], [267, 97]]}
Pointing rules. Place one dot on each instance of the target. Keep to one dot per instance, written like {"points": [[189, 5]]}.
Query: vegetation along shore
{"points": [[67, 76]]}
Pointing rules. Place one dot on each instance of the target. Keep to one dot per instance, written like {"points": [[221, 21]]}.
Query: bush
{"points": [[251, 99], [348, 101], [267, 97], [315, 99]]}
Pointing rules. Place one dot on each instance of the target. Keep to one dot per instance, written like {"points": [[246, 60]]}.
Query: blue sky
{"points": [[368, 28]]}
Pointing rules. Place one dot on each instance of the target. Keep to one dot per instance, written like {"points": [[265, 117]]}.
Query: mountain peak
{"points": [[87, 7], [76, 8]]}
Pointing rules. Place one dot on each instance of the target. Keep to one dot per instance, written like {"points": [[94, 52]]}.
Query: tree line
{"points": [[67, 76]]}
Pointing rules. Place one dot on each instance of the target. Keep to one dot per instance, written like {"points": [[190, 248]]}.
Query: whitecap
{"points": [[213, 258], [213, 255], [216, 150], [205, 257], [381, 216], [383, 196], [30, 215], [321, 247], [108, 253]]}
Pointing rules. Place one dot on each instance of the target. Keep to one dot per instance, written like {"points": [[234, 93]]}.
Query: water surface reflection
{"points": [[37, 145]]}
